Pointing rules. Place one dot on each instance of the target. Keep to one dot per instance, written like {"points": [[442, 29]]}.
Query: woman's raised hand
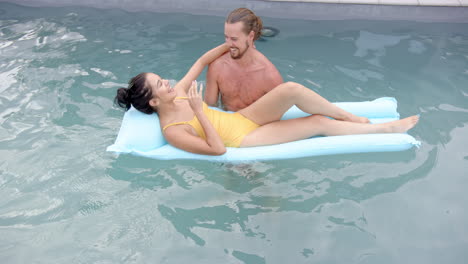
{"points": [[195, 97]]}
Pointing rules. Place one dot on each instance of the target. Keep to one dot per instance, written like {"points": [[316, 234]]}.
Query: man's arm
{"points": [[272, 76], [275, 76], [212, 90]]}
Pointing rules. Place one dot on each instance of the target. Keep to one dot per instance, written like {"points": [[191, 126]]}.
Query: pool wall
{"points": [[278, 9]]}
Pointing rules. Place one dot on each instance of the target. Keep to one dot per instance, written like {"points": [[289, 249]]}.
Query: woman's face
{"points": [[161, 88]]}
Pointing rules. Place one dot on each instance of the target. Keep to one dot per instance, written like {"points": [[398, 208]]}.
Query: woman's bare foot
{"points": [[403, 125]]}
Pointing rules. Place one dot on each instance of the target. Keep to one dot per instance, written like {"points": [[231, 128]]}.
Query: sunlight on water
{"points": [[64, 199]]}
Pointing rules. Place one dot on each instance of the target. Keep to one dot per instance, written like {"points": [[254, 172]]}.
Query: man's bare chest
{"points": [[234, 82]]}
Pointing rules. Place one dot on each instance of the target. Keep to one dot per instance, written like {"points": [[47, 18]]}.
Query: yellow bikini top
{"points": [[193, 123]]}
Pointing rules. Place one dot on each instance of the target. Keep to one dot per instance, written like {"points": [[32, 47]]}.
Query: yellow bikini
{"points": [[231, 127]]}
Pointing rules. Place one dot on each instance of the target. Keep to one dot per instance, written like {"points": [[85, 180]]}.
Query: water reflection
{"points": [[274, 189], [218, 217]]}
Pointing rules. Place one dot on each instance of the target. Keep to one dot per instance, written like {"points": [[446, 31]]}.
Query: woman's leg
{"points": [[275, 103], [301, 128]]}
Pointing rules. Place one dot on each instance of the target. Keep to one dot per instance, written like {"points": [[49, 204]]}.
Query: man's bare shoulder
{"points": [[270, 72], [221, 61], [260, 58], [265, 62]]}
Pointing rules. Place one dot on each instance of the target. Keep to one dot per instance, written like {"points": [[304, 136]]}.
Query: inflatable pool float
{"points": [[140, 134]]}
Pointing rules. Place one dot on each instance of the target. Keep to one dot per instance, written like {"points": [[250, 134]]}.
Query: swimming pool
{"points": [[64, 199]]}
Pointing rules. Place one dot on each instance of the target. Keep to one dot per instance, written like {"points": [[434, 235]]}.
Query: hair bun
{"points": [[123, 98], [258, 28]]}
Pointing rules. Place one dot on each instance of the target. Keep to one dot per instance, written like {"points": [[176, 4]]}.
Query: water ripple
{"points": [[64, 197]]}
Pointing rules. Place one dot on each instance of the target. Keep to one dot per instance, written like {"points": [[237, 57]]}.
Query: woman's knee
{"points": [[320, 119], [322, 122], [292, 85], [291, 88]]}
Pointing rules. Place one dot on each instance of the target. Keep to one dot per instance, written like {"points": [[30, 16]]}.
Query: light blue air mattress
{"points": [[140, 134]]}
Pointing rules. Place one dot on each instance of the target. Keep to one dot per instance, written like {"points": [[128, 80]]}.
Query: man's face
{"points": [[237, 40]]}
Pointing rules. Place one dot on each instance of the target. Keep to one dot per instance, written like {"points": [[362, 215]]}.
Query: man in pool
{"points": [[242, 75]]}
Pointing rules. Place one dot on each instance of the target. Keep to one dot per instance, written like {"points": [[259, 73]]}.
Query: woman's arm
{"points": [[199, 65], [181, 138]]}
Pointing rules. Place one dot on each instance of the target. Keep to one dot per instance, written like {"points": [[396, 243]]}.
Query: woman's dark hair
{"points": [[137, 94], [250, 20]]}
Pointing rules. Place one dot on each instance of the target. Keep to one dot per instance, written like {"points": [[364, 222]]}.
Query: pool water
{"points": [[64, 199]]}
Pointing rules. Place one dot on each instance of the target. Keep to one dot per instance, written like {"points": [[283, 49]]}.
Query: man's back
{"points": [[240, 84]]}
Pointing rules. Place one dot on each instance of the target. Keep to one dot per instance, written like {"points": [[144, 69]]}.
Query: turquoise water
{"points": [[65, 200]]}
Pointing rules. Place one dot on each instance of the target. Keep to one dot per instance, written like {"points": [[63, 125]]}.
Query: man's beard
{"points": [[240, 54]]}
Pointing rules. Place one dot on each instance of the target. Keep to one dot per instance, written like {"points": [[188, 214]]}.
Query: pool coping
{"points": [[460, 3], [287, 9]]}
